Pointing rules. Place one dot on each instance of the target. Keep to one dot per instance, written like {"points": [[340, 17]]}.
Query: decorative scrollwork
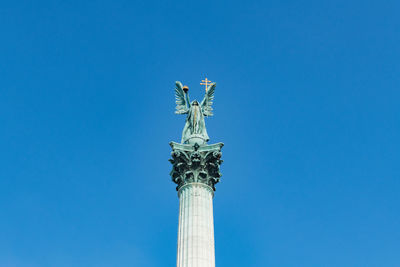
{"points": [[196, 164]]}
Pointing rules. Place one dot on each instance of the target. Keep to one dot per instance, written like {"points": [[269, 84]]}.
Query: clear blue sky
{"points": [[307, 104]]}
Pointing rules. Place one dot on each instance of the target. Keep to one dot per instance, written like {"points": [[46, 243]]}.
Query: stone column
{"points": [[196, 171]]}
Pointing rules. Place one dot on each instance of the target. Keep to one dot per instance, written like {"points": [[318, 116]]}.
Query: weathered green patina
{"points": [[193, 160], [195, 128], [196, 164]]}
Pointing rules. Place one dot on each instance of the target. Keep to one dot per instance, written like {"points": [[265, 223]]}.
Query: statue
{"points": [[195, 128]]}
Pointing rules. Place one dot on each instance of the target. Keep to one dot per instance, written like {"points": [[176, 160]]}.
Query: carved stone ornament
{"points": [[195, 164]]}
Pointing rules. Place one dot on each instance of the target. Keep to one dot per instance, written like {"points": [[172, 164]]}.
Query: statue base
{"points": [[196, 138]]}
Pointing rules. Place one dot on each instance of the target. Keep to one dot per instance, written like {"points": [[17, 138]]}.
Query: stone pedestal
{"points": [[196, 171]]}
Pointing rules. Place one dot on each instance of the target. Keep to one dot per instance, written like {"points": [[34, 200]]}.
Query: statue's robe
{"points": [[194, 124]]}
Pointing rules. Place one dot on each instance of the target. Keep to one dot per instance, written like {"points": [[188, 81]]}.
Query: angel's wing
{"points": [[181, 105], [207, 101]]}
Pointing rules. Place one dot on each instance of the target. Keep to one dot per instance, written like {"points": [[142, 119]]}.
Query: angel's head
{"points": [[195, 103]]}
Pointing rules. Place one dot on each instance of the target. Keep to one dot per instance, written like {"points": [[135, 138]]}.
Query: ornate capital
{"points": [[195, 164]]}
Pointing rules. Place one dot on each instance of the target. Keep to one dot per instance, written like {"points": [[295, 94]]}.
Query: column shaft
{"points": [[196, 226]]}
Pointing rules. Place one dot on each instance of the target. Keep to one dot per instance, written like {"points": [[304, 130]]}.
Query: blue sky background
{"points": [[307, 104]]}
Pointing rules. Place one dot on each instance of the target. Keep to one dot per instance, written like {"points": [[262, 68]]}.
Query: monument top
{"points": [[195, 131]]}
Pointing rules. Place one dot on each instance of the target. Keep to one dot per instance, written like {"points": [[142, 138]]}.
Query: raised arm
{"points": [[186, 90], [181, 99]]}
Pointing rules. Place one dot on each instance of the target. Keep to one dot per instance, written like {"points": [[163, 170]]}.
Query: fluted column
{"points": [[196, 171], [196, 226]]}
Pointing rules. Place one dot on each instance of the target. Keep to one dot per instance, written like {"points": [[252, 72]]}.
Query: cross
{"points": [[206, 83]]}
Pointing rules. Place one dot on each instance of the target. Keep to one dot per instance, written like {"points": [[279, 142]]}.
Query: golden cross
{"points": [[206, 83]]}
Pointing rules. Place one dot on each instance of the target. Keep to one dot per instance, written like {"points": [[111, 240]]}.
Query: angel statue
{"points": [[195, 128]]}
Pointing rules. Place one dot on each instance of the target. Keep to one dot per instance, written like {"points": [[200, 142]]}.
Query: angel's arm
{"points": [[187, 100], [181, 103]]}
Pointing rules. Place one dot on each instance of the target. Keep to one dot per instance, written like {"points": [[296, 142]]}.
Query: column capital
{"points": [[195, 164]]}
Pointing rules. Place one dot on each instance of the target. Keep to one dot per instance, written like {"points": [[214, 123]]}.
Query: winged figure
{"points": [[195, 128]]}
